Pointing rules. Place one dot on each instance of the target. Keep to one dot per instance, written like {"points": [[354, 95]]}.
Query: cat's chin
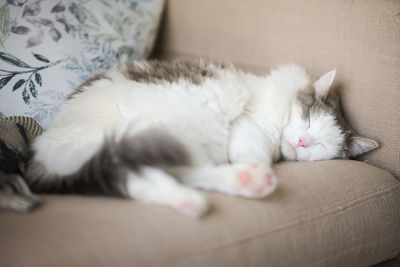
{"points": [[288, 151]]}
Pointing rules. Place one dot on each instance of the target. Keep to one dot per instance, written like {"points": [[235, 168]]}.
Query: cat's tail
{"points": [[106, 172]]}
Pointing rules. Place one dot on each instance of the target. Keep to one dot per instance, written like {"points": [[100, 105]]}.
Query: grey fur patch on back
{"points": [[88, 83], [154, 71], [105, 173]]}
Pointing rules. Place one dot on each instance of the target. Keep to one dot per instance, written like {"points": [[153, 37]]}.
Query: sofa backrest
{"points": [[361, 39]]}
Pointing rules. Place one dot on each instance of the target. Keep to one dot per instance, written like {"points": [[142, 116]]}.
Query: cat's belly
{"points": [[204, 133], [205, 138], [197, 120]]}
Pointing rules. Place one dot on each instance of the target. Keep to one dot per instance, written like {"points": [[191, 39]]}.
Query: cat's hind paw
{"points": [[193, 205]]}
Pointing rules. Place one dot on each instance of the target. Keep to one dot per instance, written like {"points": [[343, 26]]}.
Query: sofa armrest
{"points": [[361, 39]]}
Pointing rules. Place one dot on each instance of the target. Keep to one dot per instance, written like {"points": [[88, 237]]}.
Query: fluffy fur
{"points": [[154, 131]]}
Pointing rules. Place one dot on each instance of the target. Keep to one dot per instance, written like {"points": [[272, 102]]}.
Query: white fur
{"points": [[321, 133], [236, 118], [154, 186], [323, 136]]}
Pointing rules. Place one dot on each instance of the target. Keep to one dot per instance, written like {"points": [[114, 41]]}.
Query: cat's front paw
{"points": [[255, 181]]}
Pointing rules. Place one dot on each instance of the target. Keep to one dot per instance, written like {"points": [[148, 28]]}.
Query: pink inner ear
{"points": [[323, 84]]}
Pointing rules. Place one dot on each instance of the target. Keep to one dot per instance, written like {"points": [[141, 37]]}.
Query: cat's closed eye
{"points": [[309, 121]]}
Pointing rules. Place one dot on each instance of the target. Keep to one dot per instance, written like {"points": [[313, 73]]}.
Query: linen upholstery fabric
{"points": [[328, 213], [331, 213], [361, 39]]}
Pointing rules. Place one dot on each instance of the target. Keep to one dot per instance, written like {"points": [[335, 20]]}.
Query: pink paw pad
{"points": [[258, 190], [254, 166], [267, 182], [244, 177], [188, 206]]}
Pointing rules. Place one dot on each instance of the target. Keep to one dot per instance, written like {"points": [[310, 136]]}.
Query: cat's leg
{"points": [[152, 185], [251, 141], [251, 151], [240, 179]]}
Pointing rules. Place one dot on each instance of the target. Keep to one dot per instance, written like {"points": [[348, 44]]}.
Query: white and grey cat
{"points": [[154, 131]]}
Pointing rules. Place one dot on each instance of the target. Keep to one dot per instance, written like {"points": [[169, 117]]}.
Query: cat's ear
{"points": [[322, 85], [360, 145]]}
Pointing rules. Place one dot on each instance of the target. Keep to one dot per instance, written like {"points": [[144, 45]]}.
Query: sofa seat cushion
{"points": [[327, 213]]}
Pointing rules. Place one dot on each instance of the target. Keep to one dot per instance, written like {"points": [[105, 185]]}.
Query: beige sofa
{"points": [[327, 213]]}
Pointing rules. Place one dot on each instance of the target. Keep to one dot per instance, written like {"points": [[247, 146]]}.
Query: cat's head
{"points": [[317, 130]]}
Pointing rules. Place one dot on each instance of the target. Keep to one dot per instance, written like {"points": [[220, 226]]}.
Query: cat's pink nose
{"points": [[302, 142]]}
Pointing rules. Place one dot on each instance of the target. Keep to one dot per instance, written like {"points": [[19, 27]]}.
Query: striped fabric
{"points": [[28, 123], [15, 135]]}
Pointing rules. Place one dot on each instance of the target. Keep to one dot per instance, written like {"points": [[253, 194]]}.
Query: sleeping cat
{"points": [[154, 131]]}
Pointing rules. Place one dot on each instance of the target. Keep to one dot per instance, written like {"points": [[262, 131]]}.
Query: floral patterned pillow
{"points": [[48, 48]]}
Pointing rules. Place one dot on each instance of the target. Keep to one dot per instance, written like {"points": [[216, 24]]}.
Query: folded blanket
{"points": [[16, 133]]}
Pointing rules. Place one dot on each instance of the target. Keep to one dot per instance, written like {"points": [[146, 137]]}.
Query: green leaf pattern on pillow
{"points": [[48, 48]]}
